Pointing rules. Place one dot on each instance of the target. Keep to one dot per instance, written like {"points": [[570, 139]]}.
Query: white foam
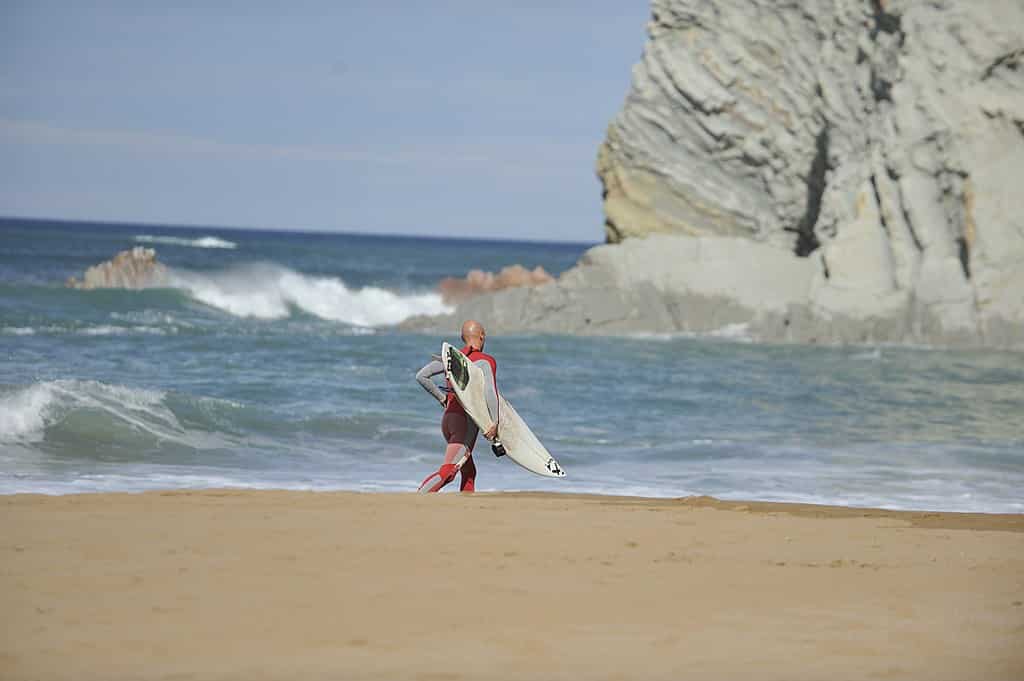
{"points": [[738, 332], [201, 242], [103, 330], [25, 413], [99, 330], [272, 292], [107, 330], [19, 330], [150, 318]]}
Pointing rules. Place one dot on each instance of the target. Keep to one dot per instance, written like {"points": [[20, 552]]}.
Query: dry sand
{"points": [[294, 585]]}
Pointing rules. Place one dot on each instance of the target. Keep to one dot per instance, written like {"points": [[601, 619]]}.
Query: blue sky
{"points": [[439, 118]]}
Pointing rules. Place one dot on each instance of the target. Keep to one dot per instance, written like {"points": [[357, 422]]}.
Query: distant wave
{"points": [[201, 242], [266, 291], [98, 330], [18, 330]]}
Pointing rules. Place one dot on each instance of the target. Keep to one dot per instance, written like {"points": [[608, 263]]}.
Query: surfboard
{"points": [[521, 445]]}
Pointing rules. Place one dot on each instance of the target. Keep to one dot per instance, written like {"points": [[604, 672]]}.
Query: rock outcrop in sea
{"points": [[455, 289], [133, 269], [833, 171]]}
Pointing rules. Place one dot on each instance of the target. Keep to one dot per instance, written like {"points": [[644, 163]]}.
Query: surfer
{"points": [[458, 429]]}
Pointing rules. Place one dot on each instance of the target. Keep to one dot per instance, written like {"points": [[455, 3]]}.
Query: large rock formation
{"points": [[134, 269], [839, 170]]}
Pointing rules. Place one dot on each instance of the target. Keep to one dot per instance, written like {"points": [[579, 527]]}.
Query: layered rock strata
{"points": [[838, 170]]}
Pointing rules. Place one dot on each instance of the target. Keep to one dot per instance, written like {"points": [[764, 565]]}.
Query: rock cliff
{"points": [[839, 170]]}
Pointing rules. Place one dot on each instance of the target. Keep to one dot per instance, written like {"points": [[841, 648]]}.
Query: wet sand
{"points": [[297, 585]]}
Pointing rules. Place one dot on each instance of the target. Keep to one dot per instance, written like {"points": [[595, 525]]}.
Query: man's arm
{"points": [[427, 373]]}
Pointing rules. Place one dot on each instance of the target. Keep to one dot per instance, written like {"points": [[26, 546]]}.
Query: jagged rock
{"points": [[455, 290], [839, 170], [882, 140], [133, 269]]}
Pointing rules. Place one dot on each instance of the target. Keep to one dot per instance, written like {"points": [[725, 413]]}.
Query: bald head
{"points": [[473, 334]]}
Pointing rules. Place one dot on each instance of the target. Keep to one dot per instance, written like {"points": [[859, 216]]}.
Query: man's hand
{"points": [[492, 432]]}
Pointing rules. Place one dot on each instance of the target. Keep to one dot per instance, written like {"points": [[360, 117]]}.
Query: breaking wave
{"points": [[108, 422], [201, 242], [26, 413], [266, 291]]}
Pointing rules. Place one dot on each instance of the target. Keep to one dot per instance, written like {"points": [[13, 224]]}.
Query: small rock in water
{"points": [[133, 269], [476, 282]]}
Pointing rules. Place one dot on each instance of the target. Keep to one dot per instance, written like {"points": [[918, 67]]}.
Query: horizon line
{"points": [[287, 230]]}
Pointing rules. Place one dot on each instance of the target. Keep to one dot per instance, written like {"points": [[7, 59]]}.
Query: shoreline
{"points": [[482, 305], [263, 584], [993, 520]]}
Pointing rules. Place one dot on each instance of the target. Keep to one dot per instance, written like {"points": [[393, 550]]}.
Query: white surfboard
{"points": [[521, 445]]}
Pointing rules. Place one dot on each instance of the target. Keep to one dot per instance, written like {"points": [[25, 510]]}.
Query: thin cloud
{"points": [[510, 151]]}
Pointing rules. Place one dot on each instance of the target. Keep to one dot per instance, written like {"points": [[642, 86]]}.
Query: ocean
{"points": [[274, 363]]}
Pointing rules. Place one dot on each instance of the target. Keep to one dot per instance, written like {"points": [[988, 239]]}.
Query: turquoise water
{"points": [[273, 363]]}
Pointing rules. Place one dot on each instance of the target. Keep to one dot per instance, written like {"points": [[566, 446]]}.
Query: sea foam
{"points": [[26, 412], [201, 242], [266, 291], [23, 413]]}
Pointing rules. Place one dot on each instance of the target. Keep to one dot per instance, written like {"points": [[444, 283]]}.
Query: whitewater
{"points": [[277, 364], [268, 291], [201, 242]]}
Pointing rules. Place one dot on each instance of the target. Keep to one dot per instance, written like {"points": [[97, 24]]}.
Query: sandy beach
{"points": [[286, 585]]}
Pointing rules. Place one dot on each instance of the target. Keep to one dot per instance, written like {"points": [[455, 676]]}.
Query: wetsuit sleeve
{"points": [[490, 387], [424, 377]]}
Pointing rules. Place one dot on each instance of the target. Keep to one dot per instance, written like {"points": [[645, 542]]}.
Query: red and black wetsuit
{"points": [[452, 405], [458, 429]]}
